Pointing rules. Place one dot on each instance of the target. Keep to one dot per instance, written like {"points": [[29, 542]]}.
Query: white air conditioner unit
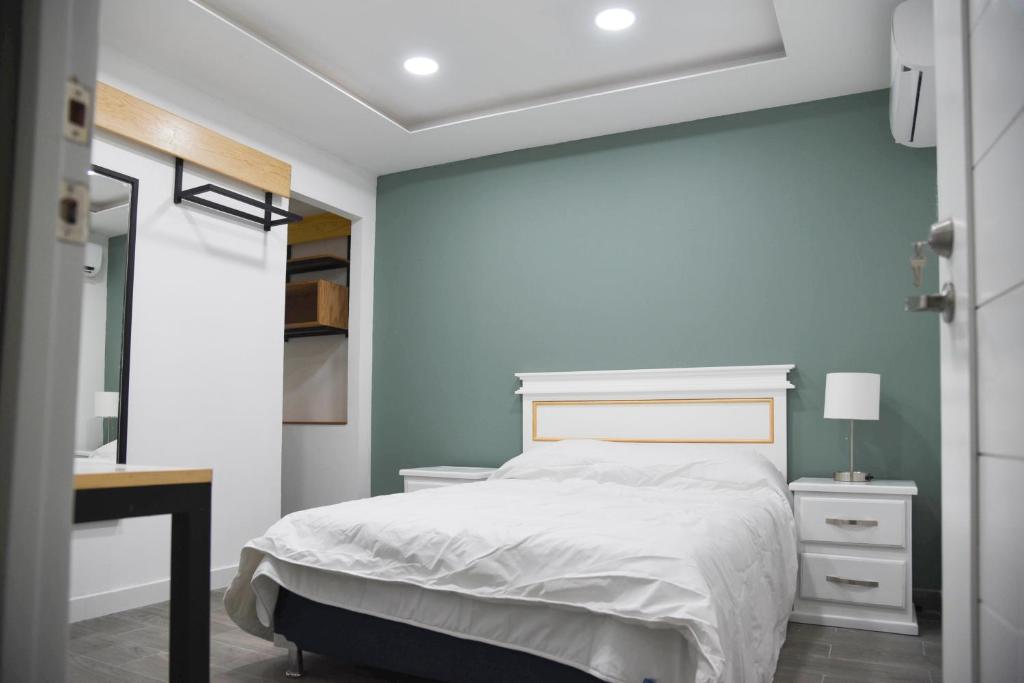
{"points": [[912, 97], [93, 259]]}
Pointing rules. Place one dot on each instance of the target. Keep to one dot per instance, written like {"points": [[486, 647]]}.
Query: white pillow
{"points": [[106, 453], [644, 464]]}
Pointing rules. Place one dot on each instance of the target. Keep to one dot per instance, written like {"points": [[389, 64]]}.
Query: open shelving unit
{"points": [[315, 308], [317, 298], [315, 263]]}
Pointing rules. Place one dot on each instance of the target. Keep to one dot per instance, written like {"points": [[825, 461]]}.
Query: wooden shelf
{"points": [[317, 262], [322, 226], [315, 308]]}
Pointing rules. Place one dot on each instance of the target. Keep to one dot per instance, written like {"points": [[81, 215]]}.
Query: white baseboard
{"points": [[864, 623], [130, 597]]}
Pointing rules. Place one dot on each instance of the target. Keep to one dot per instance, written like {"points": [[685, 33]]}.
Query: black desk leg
{"points": [[190, 590]]}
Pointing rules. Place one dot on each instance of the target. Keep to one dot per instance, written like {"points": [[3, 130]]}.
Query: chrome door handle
{"points": [[851, 582], [940, 238], [943, 302], [851, 522]]}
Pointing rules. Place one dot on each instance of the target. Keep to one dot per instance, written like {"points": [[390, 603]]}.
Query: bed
{"points": [[645, 533]]}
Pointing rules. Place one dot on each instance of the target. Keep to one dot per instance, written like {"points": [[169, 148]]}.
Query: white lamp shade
{"points": [[852, 395], [105, 403]]}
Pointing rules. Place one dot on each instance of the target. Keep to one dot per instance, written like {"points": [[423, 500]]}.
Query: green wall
{"points": [[776, 236]]}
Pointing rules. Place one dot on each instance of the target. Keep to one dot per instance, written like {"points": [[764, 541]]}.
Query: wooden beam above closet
{"points": [[149, 125], [322, 226]]}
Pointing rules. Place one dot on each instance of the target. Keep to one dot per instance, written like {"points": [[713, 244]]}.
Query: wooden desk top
{"points": [[90, 474]]}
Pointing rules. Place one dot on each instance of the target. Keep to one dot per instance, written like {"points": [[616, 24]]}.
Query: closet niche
{"points": [[316, 317]]}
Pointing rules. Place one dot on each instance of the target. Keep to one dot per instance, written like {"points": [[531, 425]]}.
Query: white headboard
{"points": [[726, 405]]}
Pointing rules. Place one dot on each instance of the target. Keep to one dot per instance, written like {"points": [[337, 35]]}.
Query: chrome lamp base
{"points": [[852, 477]]}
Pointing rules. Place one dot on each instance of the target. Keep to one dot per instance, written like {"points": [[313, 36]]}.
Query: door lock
{"points": [[940, 241], [943, 302], [940, 238]]}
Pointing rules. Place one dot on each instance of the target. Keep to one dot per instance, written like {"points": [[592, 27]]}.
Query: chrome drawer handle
{"points": [[851, 582], [851, 522]]}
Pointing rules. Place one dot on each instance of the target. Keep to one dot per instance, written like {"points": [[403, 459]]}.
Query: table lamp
{"points": [[852, 396], [105, 403]]}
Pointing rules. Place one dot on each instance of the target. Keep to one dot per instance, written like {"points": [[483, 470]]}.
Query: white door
{"points": [[979, 47], [55, 42]]}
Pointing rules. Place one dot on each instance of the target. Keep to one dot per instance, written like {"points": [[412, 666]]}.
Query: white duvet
{"points": [[696, 541]]}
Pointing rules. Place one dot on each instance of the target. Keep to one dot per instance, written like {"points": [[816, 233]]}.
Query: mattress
{"points": [[627, 562]]}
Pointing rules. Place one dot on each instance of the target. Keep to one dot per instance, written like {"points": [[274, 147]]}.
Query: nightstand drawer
{"points": [[864, 521], [855, 580]]}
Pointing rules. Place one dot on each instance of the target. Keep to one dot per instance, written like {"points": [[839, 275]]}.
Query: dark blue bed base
{"points": [[393, 646]]}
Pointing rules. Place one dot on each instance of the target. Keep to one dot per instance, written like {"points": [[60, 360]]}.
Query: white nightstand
{"points": [[855, 554], [417, 478]]}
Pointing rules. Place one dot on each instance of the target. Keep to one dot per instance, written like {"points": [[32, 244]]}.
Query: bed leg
{"points": [[294, 669]]}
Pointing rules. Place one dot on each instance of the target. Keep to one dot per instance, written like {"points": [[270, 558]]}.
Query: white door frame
{"points": [[39, 361], [957, 343]]}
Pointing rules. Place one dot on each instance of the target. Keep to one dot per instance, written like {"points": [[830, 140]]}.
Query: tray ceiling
{"points": [[502, 56], [511, 76]]}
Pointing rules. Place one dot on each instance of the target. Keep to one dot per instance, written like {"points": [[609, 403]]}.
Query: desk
{"points": [[106, 491]]}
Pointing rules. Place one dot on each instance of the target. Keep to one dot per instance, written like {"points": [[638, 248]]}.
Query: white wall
{"points": [[91, 355], [314, 470], [207, 350], [316, 379]]}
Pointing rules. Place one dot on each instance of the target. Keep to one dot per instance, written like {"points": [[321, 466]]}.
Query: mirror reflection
{"points": [[106, 301]]}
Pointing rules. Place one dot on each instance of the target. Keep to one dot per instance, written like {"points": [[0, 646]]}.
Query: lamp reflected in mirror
{"points": [[106, 406]]}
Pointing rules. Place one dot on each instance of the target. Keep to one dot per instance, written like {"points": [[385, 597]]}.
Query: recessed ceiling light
{"points": [[421, 66], [615, 19]]}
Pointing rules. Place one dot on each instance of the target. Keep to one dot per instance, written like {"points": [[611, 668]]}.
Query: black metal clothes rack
{"points": [[267, 220]]}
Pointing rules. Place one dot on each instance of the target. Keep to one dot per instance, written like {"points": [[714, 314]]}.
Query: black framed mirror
{"points": [[101, 417]]}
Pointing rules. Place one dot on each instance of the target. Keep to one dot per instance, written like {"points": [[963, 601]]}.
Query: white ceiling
{"points": [[303, 209], [105, 191], [513, 74], [110, 222], [500, 56]]}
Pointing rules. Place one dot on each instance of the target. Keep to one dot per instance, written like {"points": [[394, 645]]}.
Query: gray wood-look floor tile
{"points": [[240, 638], [784, 674], [907, 648], [132, 646], [152, 666], [155, 636], [930, 630], [810, 632], [84, 644], [230, 676], [81, 669], [121, 653], [796, 651], [856, 655], [112, 624]]}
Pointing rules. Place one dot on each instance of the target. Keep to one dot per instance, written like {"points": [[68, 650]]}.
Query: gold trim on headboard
{"points": [[770, 402]]}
